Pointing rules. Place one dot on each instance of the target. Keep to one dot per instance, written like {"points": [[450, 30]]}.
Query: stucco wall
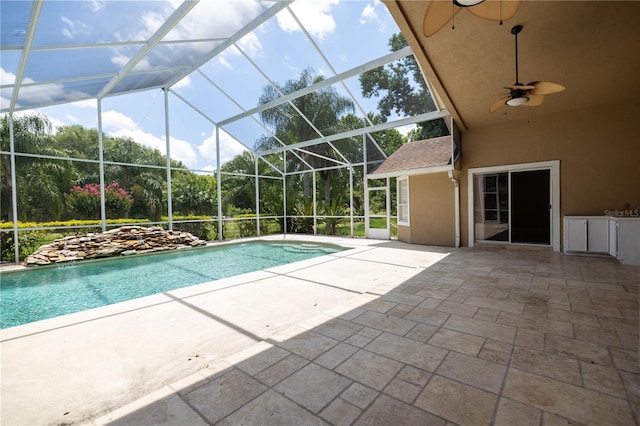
{"points": [[431, 211], [599, 153], [598, 149]]}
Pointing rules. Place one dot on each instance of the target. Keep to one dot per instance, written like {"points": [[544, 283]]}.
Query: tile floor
{"points": [[479, 337]]}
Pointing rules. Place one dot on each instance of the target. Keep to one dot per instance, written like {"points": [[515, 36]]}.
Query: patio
{"points": [[384, 333]]}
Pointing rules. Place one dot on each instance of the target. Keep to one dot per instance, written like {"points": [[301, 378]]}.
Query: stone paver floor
{"points": [[403, 335], [480, 337]]}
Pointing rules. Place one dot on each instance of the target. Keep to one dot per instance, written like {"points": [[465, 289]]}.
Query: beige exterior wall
{"points": [[599, 153], [598, 149], [431, 211]]}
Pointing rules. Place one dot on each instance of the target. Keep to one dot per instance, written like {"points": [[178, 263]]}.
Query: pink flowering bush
{"points": [[83, 202]]}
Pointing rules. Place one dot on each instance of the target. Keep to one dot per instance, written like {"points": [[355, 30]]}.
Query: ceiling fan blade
{"points": [[534, 100], [498, 103], [520, 87], [545, 87], [438, 13], [495, 10]]}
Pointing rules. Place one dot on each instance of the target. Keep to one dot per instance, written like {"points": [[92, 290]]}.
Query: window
{"points": [[403, 201]]}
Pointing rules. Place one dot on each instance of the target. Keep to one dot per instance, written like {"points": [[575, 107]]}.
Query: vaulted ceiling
{"points": [[590, 47]]}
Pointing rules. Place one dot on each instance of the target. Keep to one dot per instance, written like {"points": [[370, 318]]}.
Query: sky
{"points": [[348, 33]]}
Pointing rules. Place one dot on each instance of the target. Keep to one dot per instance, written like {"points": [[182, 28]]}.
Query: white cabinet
{"points": [[618, 237], [598, 235], [575, 234], [629, 240], [613, 238], [586, 234]]}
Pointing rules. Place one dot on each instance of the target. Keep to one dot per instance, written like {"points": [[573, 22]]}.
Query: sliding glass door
{"points": [[531, 207], [513, 206], [491, 206]]}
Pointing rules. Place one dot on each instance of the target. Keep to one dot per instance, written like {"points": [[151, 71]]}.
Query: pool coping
{"points": [[104, 358], [150, 300], [7, 268]]}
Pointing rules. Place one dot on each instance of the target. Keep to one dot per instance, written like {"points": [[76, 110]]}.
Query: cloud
{"points": [[208, 20], [70, 118], [118, 125], [370, 15], [96, 5], [4, 102], [229, 147], [116, 121], [206, 170], [315, 16], [215, 19], [406, 129], [56, 124], [120, 59], [89, 103], [223, 61], [72, 29], [185, 82], [250, 43], [46, 94], [42, 94], [7, 77]]}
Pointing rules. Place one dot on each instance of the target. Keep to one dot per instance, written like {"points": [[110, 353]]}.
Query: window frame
{"points": [[403, 181]]}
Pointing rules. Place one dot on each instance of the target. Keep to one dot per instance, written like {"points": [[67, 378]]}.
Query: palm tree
{"points": [[41, 181], [238, 189], [323, 108]]}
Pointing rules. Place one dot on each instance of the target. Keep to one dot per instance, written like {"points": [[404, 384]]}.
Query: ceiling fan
{"points": [[439, 12], [531, 94]]}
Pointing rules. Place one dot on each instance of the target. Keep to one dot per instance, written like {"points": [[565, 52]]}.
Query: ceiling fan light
{"points": [[520, 100], [467, 3]]}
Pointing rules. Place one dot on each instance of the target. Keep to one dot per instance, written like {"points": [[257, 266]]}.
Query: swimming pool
{"points": [[38, 294]]}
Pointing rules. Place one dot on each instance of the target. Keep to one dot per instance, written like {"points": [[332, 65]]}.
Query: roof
{"points": [[419, 157], [590, 47]]}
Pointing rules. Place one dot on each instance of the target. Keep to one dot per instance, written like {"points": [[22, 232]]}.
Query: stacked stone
{"points": [[115, 242]]}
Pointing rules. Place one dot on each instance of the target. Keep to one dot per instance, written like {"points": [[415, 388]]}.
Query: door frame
{"points": [[554, 173], [377, 233]]}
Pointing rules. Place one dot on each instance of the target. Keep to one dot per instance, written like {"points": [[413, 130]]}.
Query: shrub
{"points": [[335, 213], [302, 222], [203, 230], [246, 224], [83, 202], [68, 223], [117, 201], [29, 242]]}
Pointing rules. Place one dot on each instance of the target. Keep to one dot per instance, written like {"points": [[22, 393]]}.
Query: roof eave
{"points": [[411, 172]]}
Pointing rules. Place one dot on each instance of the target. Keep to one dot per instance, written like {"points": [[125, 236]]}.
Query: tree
{"points": [[135, 175], [388, 140], [403, 90], [145, 184], [238, 186], [39, 180], [193, 194], [323, 108]]}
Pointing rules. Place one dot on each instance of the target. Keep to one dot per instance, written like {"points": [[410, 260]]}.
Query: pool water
{"points": [[38, 294]]}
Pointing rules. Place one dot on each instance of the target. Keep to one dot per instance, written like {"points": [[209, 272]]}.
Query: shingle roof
{"points": [[417, 155]]}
